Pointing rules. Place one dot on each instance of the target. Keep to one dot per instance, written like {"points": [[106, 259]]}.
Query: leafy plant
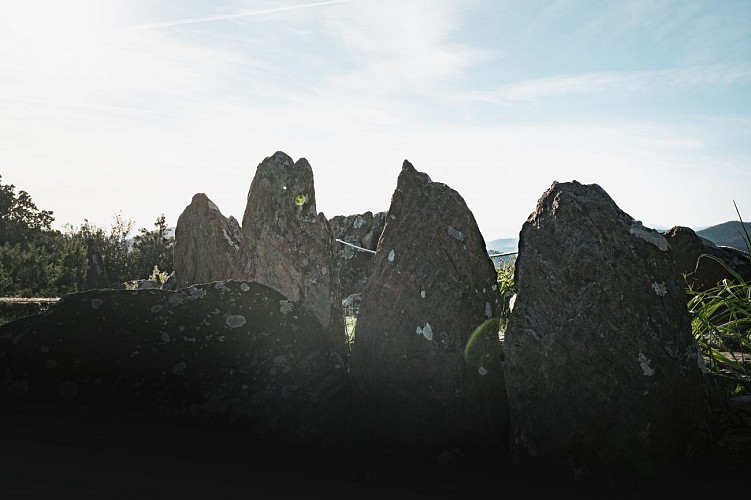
{"points": [[721, 319], [507, 288]]}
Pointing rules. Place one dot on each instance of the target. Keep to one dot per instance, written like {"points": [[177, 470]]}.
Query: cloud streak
{"points": [[180, 22], [604, 82]]}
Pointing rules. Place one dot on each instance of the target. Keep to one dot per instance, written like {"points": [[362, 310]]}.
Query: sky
{"points": [[131, 107]]}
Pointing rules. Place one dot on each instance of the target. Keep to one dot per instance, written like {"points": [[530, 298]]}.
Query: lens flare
{"points": [[483, 343]]}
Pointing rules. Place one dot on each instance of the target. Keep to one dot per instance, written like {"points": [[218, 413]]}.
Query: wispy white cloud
{"points": [[614, 81], [237, 15]]}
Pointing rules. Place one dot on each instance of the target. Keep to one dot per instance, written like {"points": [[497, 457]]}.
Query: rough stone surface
{"points": [[219, 354], [206, 243], [353, 267], [96, 273], [603, 375], [432, 287], [287, 245], [705, 273]]}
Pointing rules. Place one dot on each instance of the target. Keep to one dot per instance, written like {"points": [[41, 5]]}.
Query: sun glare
{"points": [[54, 40]]}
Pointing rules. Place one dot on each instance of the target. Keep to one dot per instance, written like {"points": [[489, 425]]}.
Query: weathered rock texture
{"points": [[603, 375], [287, 245], [224, 353], [206, 243], [96, 273], [353, 267], [705, 273], [432, 289]]}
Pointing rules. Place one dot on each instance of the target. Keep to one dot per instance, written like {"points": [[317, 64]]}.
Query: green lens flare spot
{"points": [[482, 343], [300, 200]]}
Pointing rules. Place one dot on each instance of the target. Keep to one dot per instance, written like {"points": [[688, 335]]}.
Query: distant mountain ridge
{"points": [[728, 234]]}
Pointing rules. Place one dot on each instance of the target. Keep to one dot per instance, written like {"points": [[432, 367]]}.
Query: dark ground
{"points": [[57, 452]]}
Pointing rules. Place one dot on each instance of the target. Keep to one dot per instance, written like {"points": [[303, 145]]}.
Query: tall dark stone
{"points": [[287, 244], [96, 272], [426, 362], [604, 378]]}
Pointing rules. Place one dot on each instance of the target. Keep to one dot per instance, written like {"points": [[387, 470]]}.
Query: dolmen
{"points": [[597, 374]]}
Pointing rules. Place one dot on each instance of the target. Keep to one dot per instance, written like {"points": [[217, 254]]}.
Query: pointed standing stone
{"points": [[426, 372], [206, 243], [603, 375], [287, 244]]}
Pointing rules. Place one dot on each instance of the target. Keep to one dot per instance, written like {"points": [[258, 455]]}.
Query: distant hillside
{"points": [[728, 234], [502, 245]]}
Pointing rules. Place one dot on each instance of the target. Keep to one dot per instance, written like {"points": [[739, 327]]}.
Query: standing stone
{"points": [[426, 361], [206, 243], [705, 272], [353, 266], [287, 244], [604, 378], [96, 273]]}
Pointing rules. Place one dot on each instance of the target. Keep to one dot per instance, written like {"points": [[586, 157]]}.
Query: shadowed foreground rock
{"points": [[224, 353], [432, 286], [603, 375]]}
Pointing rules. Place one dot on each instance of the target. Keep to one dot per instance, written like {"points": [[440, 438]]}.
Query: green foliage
{"points": [[20, 219], [159, 276], [507, 288], [38, 261], [721, 320], [153, 249]]}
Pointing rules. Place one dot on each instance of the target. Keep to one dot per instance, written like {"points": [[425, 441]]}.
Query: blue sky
{"points": [[133, 106]]}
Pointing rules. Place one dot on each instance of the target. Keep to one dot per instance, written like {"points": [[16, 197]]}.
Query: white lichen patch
{"points": [[392, 255], [456, 234], [645, 368], [482, 370], [155, 309], [358, 222], [196, 293], [286, 307], [488, 310], [660, 289], [179, 368], [51, 364], [244, 287], [181, 328], [422, 294], [44, 349], [96, 303], [649, 235], [235, 320], [426, 331], [165, 337], [229, 240]]}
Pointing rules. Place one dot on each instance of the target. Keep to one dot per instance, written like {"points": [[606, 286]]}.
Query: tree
{"points": [[20, 219], [153, 248]]}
